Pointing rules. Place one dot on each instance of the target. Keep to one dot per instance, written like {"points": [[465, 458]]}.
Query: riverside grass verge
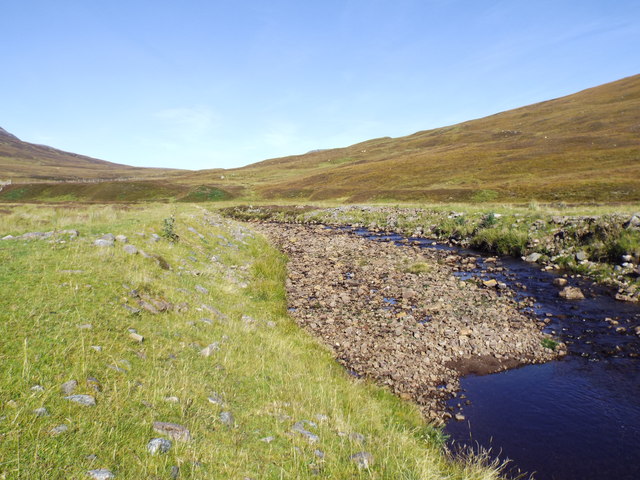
{"points": [[63, 319], [598, 242]]}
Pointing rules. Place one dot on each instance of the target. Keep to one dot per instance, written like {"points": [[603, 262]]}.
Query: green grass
{"points": [[269, 372]]}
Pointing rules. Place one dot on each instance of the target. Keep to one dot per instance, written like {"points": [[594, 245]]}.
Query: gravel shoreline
{"points": [[398, 315]]}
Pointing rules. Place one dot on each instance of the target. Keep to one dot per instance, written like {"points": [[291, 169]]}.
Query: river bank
{"points": [[399, 316], [604, 248]]}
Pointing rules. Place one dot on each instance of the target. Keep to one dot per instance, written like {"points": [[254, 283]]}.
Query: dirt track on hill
{"points": [[398, 315]]}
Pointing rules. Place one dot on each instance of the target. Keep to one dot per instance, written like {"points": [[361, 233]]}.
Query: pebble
{"points": [[55, 431], [85, 326], [68, 387], [571, 293], [362, 459], [267, 439], [41, 412], [216, 399], [158, 445], [97, 348], [201, 289], [209, 349], [175, 431], [131, 249], [101, 474], [103, 243], [37, 388], [136, 337], [227, 419], [85, 400], [299, 427], [121, 239]]}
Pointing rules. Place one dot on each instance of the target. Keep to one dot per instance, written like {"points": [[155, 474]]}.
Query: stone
{"points": [[490, 283], [571, 293], [216, 399], [201, 289], [103, 243], [122, 239], [97, 348], [84, 400], [37, 388], [128, 248], [581, 256], [560, 282], [318, 453], [227, 419], [362, 459], [459, 417], [101, 474], [41, 412], [60, 429], [172, 399], [299, 427], [210, 349], [155, 237], [357, 438], [68, 387], [158, 445], [267, 439], [175, 431], [175, 471], [633, 222], [533, 257], [85, 326], [136, 337]]}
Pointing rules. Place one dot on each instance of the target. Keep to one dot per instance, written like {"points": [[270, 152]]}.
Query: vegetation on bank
{"points": [[193, 330], [604, 247]]}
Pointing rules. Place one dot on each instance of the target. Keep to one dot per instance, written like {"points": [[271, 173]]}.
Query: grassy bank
{"points": [[131, 329], [597, 242]]}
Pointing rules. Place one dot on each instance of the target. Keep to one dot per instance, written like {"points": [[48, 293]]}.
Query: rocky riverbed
{"points": [[399, 316]]}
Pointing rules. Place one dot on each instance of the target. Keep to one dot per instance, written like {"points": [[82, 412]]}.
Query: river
{"points": [[576, 418]]}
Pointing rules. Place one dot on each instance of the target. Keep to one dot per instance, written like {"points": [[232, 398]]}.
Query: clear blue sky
{"points": [[205, 84]]}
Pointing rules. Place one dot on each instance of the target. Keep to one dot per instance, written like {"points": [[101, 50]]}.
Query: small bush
{"points": [[549, 343], [168, 232]]}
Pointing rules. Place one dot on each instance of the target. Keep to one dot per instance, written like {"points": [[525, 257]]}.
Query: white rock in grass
{"points": [[121, 238], [362, 459], [209, 349], [41, 412], [101, 242], [85, 400], [173, 430], [101, 474], [55, 431], [68, 387], [159, 445], [130, 249]]}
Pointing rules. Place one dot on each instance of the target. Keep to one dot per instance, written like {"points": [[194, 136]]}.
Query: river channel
{"points": [[575, 418]]}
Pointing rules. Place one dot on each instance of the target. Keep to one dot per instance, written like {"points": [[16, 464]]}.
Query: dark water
{"points": [[576, 418]]}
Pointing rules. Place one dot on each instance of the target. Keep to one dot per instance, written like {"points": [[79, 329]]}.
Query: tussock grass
{"points": [[268, 372]]}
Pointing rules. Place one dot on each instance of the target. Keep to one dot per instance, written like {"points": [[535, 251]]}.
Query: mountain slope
{"points": [[22, 161], [580, 147]]}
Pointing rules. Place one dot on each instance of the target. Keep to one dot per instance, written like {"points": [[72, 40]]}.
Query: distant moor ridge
{"points": [[579, 148]]}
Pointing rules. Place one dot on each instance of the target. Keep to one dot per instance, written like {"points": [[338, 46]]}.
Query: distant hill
{"points": [[582, 147], [22, 161]]}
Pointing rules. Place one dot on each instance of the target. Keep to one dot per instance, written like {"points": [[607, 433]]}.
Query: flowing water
{"points": [[576, 418]]}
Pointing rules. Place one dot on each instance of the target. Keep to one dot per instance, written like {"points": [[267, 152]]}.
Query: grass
{"points": [[269, 373]]}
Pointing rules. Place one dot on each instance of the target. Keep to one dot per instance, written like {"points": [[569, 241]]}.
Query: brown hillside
{"points": [[582, 147], [22, 161]]}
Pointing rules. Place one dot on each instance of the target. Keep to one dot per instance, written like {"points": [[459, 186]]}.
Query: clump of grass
{"points": [[549, 343]]}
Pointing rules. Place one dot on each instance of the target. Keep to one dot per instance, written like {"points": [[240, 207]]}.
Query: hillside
{"points": [[582, 147], [23, 161]]}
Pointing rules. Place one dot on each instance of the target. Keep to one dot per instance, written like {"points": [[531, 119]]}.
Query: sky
{"points": [[201, 84]]}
